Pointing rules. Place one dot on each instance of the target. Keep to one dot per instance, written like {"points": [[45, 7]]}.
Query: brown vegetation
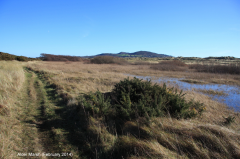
{"points": [[108, 60], [175, 65], [3, 110], [226, 69], [50, 57]]}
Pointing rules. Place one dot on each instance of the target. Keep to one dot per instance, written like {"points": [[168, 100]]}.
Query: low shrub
{"points": [[50, 57], [10, 57], [135, 98], [174, 62], [22, 58], [142, 63], [229, 120], [108, 60]]}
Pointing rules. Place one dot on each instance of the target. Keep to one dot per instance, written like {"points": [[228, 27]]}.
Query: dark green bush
{"points": [[135, 98], [22, 58], [6, 56], [9, 57], [96, 103]]}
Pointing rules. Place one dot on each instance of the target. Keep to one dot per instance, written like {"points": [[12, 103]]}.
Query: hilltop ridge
{"points": [[134, 54]]}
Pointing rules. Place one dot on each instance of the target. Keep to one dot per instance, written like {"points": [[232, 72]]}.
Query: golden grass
{"points": [[11, 80], [77, 77]]}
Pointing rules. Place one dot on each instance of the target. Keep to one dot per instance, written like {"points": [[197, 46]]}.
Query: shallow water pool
{"points": [[231, 95]]}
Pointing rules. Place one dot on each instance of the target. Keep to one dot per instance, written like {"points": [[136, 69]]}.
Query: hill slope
{"points": [[134, 54]]}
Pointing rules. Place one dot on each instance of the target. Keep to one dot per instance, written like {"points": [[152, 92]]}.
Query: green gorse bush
{"points": [[131, 99]]}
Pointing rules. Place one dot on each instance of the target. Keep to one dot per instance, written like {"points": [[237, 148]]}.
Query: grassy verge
{"points": [[12, 78]]}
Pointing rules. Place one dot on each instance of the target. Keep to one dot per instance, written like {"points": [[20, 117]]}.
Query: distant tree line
{"points": [[9, 57], [50, 57]]}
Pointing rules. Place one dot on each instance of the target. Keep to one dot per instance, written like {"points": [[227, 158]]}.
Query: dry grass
{"points": [[11, 80], [79, 69], [212, 92], [78, 78], [224, 69]]}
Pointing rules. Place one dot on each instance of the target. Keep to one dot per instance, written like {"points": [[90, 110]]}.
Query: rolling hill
{"points": [[134, 54]]}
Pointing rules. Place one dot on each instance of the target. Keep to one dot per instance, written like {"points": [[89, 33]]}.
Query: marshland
{"points": [[96, 108]]}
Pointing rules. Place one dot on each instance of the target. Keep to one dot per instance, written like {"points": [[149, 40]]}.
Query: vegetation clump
{"points": [[135, 98], [50, 57], [174, 65], [9, 57], [108, 60]]}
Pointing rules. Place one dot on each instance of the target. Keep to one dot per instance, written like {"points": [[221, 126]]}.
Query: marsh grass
{"points": [[76, 69], [213, 92], [175, 65], [223, 69], [193, 81]]}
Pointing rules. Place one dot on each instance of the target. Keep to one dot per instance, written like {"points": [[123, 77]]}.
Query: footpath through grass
{"points": [[34, 129], [42, 131]]}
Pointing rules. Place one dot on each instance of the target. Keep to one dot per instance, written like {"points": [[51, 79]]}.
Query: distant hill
{"points": [[134, 54]]}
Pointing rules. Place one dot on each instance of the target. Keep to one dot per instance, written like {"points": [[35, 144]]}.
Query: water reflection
{"points": [[231, 97]]}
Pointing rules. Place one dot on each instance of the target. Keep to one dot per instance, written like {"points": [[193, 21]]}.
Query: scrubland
{"points": [[71, 117]]}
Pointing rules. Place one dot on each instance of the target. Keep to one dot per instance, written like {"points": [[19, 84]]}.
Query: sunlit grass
{"points": [[12, 78]]}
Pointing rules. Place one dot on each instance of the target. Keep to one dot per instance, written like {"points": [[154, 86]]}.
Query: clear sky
{"points": [[198, 28]]}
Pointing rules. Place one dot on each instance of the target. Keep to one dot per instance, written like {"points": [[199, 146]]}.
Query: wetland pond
{"points": [[227, 94]]}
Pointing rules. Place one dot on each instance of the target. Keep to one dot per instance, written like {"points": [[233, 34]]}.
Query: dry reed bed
{"points": [[141, 70]]}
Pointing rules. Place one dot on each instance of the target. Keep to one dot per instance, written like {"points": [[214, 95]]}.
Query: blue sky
{"points": [[88, 27]]}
